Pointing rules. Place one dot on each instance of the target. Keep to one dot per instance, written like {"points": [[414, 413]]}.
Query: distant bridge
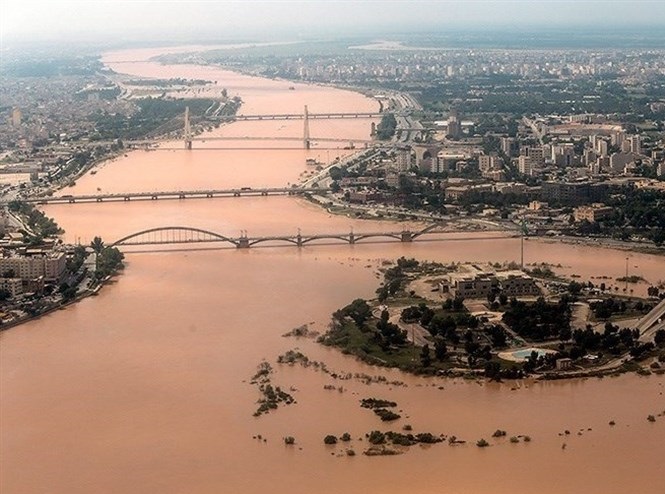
{"points": [[350, 140], [182, 194], [306, 138], [189, 235], [299, 116]]}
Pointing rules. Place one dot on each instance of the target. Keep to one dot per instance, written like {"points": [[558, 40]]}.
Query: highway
{"points": [[653, 321]]}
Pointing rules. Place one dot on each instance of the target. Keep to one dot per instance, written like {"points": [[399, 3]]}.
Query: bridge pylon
{"points": [[188, 130], [407, 236], [243, 241], [306, 138]]}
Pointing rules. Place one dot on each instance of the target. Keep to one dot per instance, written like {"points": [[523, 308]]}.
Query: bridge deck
{"points": [[189, 235], [650, 322], [183, 194], [280, 138], [301, 116]]}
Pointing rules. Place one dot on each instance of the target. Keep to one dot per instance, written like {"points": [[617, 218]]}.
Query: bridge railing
{"points": [[183, 234]]}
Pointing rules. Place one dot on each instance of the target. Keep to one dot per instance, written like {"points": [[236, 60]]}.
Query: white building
{"points": [[403, 159], [13, 285], [50, 266]]}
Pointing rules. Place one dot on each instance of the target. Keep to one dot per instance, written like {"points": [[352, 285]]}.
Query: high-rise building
{"points": [[594, 140], [563, 154], [594, 167], [617, 138], [525, 165], [602, 148], [16, 117], [589, 156], [454, 125], [635, 144], [403, 159], [535, 153], [507, 145], [488, 163]]}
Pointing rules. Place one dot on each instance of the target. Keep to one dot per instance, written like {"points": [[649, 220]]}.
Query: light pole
{"points": [[523, 232]]}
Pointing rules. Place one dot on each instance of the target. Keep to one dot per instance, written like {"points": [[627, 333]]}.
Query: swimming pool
{"points": [[524, 354]]}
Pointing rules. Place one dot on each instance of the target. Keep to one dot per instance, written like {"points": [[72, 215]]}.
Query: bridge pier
{"points": [[352, 238], [99, 199], [126, 198], [299, 240], [243, 243], [406, 236]]}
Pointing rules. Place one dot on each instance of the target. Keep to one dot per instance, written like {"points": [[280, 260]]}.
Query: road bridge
{"points": [[650, 323], [306, 138], [182, 194], [350, 140], [190, 235], [299, 116]]}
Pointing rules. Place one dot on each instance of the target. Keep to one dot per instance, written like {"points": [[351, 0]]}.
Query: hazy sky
{"points": [[130, 19]]}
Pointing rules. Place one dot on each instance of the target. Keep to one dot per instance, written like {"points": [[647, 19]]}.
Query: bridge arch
{"points": [[377, 235], [217, 236], [427, 230], [314, 238]]}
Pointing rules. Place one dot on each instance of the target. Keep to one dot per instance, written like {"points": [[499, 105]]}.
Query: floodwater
{"points": [[145, 388]]}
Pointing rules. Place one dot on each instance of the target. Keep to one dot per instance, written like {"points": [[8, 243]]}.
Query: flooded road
{"points": [[145, 387]]}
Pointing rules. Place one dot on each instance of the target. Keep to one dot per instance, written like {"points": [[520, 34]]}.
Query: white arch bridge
{"points": [[189, 235]]}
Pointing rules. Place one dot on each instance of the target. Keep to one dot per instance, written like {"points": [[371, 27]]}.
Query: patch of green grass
{"points": [[363, 344]]}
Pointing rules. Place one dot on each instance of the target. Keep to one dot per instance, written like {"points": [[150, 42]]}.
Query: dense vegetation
{"points": [[152, 114], [635, 212], [109, 259], [50, 67], [386, 128], [613, 340], [606, 308], [42, 225], [540, 320], [510, 94]]}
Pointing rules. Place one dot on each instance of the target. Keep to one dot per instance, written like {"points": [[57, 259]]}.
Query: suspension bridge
{"points": [[190, 235], [299, 116], [306, 138]]}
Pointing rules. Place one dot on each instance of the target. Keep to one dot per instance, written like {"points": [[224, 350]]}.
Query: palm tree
{"points": [[97, 244]]}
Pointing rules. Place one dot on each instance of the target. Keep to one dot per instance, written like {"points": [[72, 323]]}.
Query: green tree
{"points": [[4, 294], [97, 245], [440, 349], [574, 288], [492, 370], [358, 310], [425, 358], [659, 338], [336, 173]]}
